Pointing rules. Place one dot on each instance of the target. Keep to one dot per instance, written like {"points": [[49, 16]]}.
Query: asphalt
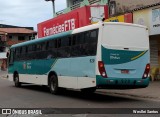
{"points": [[150, 92], [3, 74]]}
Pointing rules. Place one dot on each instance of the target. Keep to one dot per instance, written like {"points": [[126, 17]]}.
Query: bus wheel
{"points": [[16, 81], [88, 90], [53, 85]]}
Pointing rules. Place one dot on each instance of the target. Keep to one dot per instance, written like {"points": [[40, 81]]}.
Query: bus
{"points": [[103, 55]]}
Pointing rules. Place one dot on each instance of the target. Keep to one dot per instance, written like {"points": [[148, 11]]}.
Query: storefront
{"points": [[150, 17], [155, 30]]}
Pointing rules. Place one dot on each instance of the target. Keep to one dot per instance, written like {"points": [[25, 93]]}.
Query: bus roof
{"points": [[59, 35], [123, 23], [81, 29], [42, 39]]}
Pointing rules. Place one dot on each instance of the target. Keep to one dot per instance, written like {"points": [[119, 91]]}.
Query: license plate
{"points": [[125, 71]]}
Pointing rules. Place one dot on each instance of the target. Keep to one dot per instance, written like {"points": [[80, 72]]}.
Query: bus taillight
{"points": [[102, 69], [146, 72]]}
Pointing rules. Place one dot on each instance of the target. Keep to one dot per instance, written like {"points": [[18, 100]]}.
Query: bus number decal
{"points": [[27, 65], [92, 60]]}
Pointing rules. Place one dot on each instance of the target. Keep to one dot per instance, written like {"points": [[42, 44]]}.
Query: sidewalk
{"points": [[3, 74], [151, 92]]}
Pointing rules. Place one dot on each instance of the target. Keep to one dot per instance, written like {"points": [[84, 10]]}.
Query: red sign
{"points": [[59, 24], [74, 19], [128, 17]]}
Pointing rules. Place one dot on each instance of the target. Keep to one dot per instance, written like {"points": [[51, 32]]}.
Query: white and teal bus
{"points": [[102, 55]]}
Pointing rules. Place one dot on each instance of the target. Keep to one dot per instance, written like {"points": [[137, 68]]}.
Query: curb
{"points": [[130, 95], [3, 77]]}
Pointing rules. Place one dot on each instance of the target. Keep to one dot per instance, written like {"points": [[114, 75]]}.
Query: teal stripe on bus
{"points": [[39, 67], [113, 56]]}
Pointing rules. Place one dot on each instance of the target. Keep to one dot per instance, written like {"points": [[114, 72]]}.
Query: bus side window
{"points": [[92, 42], [11, 57], [58, 43], [14, 54], [87, 36], [23, 53], [38, 53], [63, 50], [39, 47], [47, 44], [34, 47], [65, 42], [17, 53], [29, 48], [94, 36], [20, 50], [26, 55], [23, 50], [70, 40], [74, 39], [51, 44], [75, 48], [90, 46], [50, 49], [80, 38], [55, 43], [44, 46], [26, 49]]}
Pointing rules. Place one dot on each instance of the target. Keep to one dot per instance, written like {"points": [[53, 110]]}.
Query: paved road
{"points": [[37, 96], [31, 96]]}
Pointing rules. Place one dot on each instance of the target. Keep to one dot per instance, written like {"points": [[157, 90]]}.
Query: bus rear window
{"points": [[126, 36]]}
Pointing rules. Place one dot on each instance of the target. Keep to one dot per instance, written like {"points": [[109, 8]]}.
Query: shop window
{"points": [[21, 38], [10, 37]]}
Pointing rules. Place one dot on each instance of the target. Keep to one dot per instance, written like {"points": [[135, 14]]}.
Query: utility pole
{"points": [[53, 6]]}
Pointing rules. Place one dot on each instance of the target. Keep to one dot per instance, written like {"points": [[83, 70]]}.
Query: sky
{"points": [[27, 12]]}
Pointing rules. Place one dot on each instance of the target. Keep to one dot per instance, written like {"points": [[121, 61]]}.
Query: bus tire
{"points": [[53, 84], [16, 81], [88, 90]]}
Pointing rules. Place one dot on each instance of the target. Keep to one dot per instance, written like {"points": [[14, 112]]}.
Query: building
{"points": [[76, 18], [118, 7], [150, 17], [10, 35], [74, 4], [144, 12]]}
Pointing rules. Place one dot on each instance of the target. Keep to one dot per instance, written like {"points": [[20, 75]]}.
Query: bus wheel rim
{"points": [[16, 80], [53, 85]]}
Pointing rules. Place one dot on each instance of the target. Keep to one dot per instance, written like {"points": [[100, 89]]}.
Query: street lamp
{"points": [[53, 5]]}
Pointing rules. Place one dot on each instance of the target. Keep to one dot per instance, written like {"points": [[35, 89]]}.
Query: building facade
{"points": [[76, 18], [10, 35], [120, 6], [150, 17], [144, 12]]}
